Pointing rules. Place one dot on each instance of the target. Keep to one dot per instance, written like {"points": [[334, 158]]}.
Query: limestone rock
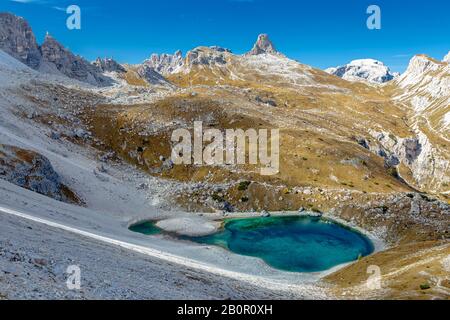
{"points": [[17, 39], [151, 76], [263, 46], [108, 65], [165, 64]]}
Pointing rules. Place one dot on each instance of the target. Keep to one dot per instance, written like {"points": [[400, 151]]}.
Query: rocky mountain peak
{"points": [[54, 55], [17, 39], [165, 64], [207, 56], [369, 70], [263, 46], [421, 64], [108, 65]]}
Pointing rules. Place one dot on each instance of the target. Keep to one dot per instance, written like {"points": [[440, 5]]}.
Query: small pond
{"points": [[148, 228]]}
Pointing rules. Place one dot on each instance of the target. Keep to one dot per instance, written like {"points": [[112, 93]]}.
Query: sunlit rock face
{"points": [[263, 46], [165, 63]]}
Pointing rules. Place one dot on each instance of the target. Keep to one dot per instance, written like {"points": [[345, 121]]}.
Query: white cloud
{"points": [[26, 1]]}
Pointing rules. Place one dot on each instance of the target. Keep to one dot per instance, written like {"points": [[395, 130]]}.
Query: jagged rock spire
{"points": [[166, 64], [263, 45]]}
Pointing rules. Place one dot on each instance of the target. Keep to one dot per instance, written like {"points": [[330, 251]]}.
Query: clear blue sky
{"points": [[321, 33]]}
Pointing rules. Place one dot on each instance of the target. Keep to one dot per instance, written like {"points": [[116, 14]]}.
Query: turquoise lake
{"points": [[293, 243]]}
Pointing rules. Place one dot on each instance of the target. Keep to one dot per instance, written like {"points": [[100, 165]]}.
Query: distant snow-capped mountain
{"points": [[369, 70], [447, 58]]}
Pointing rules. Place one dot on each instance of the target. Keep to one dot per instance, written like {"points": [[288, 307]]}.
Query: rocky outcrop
{"points": [[17, 39], [166, 64], [108, 65], [428, 167], [204, 56], [369, 70], [447, 58], [263, 46], [70, 65], [34, 172], [151, 76]]}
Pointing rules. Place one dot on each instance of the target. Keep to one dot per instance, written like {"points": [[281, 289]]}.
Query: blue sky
{"points": [[320, 33]]}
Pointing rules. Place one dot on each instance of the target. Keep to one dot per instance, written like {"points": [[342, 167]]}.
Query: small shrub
{"points": [[425, 286], [392, 171], [243, 185], [218, 198]]}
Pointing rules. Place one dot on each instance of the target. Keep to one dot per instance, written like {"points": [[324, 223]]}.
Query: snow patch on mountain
{"points": [[369, 70]]}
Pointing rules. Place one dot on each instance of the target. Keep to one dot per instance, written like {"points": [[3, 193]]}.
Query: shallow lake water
{"points": [[148, 228]]}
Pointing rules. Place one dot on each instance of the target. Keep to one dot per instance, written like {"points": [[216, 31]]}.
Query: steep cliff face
{"points": [[17, 39], [429, 167], [424, 89]]}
